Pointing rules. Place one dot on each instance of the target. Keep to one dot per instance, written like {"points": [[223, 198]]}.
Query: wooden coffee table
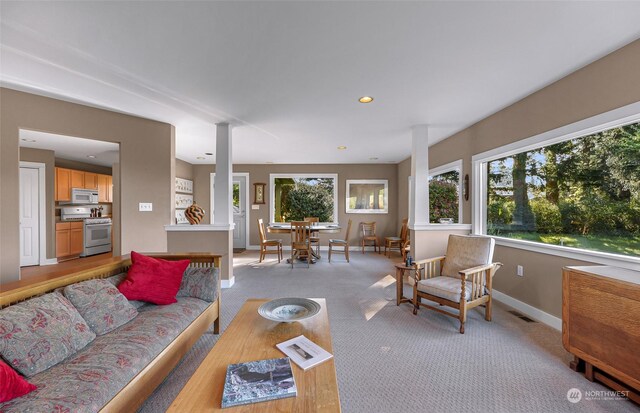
{"points": [[250, 337]]}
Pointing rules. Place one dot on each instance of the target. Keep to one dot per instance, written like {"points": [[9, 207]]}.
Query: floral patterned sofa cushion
{"points": [[100, 303], [41, 332], [200, 283], [92, 377]]}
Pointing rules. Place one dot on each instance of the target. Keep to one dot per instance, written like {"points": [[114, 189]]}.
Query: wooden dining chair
{"points": [[266, 243], [300, 244], [314, 238], [344, 243], [391, 243], [368, 235]]}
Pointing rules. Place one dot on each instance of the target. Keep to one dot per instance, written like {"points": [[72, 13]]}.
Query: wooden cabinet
{"points": [[63, 184], [71, 178], [90, 180], [69, 239], [601, 325], [105, 188]]}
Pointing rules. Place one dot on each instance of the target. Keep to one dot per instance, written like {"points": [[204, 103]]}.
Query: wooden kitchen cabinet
{"points": [[69, 239], [601, 325], [63, 184], [105, 188], [90, 180], [77, 179]]}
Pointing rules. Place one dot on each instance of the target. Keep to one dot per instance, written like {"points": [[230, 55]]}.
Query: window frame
{"points": [[608, 120], [451, 166], [347, 196], [272, 187]]}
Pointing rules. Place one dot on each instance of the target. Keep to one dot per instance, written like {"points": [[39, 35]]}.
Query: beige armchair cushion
{"points": [[464, 252], [445, 287]]}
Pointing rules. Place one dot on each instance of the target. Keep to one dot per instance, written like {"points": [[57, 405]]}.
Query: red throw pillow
{"points": [[152, 279], [12, 385]]}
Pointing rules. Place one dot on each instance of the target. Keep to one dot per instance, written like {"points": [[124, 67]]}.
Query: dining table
{"points": [[285, 228]]}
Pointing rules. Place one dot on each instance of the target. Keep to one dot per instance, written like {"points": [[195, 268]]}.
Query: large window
{"points": [[296, 196], [444, 193], [582, 192]]}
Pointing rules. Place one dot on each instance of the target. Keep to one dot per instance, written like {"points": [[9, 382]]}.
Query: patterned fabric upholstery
{"points": [[100, 303], [117, 279], [86, 381], [200, 283], [41, 332], [448, 288], [464, 252]]}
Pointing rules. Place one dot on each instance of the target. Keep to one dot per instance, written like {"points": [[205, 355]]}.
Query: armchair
{"points": [[461, 279]]}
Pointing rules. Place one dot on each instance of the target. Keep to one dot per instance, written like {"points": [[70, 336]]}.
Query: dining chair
{"points": [[314, 238], [461, 279], [266, 243], [300, 244], [406, 245], [392, 243], [368, 234], [344, 243]]}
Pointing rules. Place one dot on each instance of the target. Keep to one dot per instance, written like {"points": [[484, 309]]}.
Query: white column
{"points": [[223, 182], [419, 189]]}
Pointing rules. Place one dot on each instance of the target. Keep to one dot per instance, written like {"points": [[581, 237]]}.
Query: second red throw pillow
{"points": [[153, 279]]}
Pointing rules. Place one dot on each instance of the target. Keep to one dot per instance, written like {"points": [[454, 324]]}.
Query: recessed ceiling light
{"points": [[200, 157], [91, 156], [208, 153], [342, 147], [365, 99], [373, 159], [28, 140]]}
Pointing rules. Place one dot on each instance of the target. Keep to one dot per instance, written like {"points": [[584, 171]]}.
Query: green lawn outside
{"points": [[623, 245]]}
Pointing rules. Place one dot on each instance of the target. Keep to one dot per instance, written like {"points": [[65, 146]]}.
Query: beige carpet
{"points": [[389, 360]]}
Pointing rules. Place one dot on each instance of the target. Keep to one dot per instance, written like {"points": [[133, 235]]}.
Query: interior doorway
{"points": [[240, 200], [32, 218]]}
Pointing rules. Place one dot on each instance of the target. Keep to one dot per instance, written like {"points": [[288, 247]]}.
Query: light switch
{"points": [[145, 207]]}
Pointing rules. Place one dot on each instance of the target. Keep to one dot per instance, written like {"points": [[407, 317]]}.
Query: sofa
{"points": [[118, 370]]}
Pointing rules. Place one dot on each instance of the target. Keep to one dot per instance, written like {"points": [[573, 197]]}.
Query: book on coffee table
{"points": [[304, 352], [258, 381]]}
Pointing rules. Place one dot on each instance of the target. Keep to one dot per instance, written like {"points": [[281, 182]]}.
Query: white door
{"points": [[29, 217], [239, 211]]}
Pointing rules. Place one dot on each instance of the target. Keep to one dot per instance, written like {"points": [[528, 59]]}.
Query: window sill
{"points": [[596, 257]]}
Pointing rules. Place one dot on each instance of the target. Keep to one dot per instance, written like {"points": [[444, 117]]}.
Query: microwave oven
{"points": [[81, 196]]}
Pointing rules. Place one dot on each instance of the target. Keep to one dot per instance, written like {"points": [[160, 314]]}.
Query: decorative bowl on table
{"points": [[288, 310]]}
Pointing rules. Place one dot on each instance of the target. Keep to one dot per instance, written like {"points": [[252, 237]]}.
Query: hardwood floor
{"points": [[66, 267]]}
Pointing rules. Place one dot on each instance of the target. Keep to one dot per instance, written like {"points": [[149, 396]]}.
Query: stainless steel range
{"points": [[97, 231]]}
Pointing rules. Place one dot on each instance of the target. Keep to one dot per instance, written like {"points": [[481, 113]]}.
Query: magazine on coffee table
{"points": [[258, 381], [304, 352]]}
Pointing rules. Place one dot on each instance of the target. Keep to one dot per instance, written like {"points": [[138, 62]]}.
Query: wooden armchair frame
{"points": [[266, 243], [481, 292], [300, 243]]}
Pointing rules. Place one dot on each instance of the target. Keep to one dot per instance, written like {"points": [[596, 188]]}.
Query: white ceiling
{"points": [[69, 147], [287, 75]]}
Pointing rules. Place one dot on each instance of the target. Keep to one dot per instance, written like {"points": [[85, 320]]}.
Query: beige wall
{"points": [[387, 224], [604, 85], [184, 169], [48, 159], [217, 242], [83, 166], [147, 161]]}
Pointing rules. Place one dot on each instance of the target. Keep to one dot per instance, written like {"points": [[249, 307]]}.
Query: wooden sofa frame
{"points": [[131, 397]]}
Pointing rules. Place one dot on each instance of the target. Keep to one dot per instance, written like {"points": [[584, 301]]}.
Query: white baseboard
{"points": [[228, 283], [528, 310], [49, 261]]}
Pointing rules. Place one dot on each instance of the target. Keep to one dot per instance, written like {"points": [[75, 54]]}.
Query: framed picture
{"points": [[184, 185], [367, 196], [183, 201], [258, 193], [181, 219]]}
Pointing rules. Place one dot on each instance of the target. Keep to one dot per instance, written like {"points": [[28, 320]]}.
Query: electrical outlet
{"points": [[520, 271], [145, 207]]}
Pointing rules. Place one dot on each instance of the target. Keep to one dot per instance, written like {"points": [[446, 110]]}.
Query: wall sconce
{"points": [[465, 190]]}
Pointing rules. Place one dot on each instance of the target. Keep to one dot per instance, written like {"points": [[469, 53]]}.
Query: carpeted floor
{"points": [[389, 360]]}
